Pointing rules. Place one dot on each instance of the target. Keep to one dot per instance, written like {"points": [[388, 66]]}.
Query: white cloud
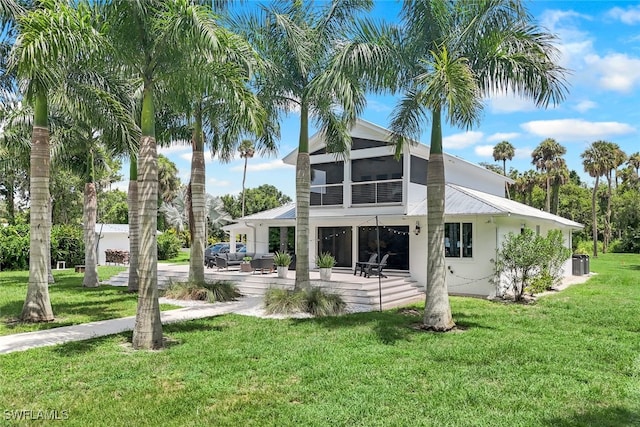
{"points": [[573, 43], [218, 182], [523, 153], [509, 103], [484, 150], [576, 129], [176, 147], [616, 71], [629, 16], [584, 106], [259, 167], [461, 140], [502, 136]]}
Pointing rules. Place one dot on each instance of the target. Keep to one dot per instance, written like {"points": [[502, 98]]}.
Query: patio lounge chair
{"points": [[364, 265], [376, 269]]}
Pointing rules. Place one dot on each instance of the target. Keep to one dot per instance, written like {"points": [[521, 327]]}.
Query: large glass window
{"points": [[458, 240], [336, 241], [376, 180], [326, 183], [394, 240]]}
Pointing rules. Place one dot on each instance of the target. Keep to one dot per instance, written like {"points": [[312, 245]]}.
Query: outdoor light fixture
{"points": [[417, 230]]}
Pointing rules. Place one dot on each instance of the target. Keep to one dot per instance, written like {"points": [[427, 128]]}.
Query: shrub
{"points": [[321, 303], [314, 301], [67, 244], [284, 301], [526, 260], [14, 247], [168, 245], [211, 292], [585, 247]]}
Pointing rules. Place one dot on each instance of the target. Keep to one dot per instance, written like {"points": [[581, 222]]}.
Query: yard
{"points": [[572, 359]]}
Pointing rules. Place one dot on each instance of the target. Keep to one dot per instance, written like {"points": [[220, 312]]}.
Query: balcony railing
{"points": [[326, 195], [372, 192]]}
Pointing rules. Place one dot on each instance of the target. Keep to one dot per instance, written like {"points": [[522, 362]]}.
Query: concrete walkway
{"points": [[85, 331]]}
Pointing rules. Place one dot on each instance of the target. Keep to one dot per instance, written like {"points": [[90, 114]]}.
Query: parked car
{"points": [[212, 251]]}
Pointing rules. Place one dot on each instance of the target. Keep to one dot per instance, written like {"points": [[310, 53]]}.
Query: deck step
{"points": [[360, 294]]}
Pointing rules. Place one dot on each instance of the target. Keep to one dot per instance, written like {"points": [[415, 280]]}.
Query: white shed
{"points": [[111, 236]]}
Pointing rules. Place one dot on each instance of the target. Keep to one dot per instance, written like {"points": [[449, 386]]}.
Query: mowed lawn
{"points": [[572, 359], [72, 304]]}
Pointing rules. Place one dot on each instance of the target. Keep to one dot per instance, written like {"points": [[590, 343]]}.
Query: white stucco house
{"points": [[349, 196]]}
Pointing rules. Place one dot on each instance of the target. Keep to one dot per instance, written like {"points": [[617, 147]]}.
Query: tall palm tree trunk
{"points": [[594, 219], [244, 177], [37, 305], [197, 210], [547, 198], [555, 197], [134, 225], [607, 218], [147, 332], [89, 219], [303, 196], [437, 313]]}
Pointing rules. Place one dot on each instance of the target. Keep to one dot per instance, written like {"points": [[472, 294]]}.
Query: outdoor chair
{"points": [[376, 269], [262, 264], [364, 265]]}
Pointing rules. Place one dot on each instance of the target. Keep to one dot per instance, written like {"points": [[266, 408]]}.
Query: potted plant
{"points": [[325, 262], [282, 261], [246, 264]]}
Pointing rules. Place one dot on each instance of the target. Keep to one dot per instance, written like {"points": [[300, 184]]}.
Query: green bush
{"points": [[169, 245], [283, 301], [585, 247], [210, 291], [67, 244], [526, 260], [314, 301], [14, 247], [321, 303]]}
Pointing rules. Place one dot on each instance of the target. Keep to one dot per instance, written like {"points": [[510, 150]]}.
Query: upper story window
{"points": [[418, 170], [356, 144], [326, 183], [376, 180]]}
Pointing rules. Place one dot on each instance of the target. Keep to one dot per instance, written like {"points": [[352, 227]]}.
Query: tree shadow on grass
{"points": [[631, 266], [197, 325], [389, 326], [605, 417]]}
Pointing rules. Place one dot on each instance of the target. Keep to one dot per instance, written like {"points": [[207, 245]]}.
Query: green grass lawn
{"points": [[572, 359], [183, 258], [72, 304]]}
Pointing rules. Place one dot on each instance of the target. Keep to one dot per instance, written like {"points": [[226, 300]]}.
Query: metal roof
{"points": [[465, 201], [287, 211], [458, 201]]}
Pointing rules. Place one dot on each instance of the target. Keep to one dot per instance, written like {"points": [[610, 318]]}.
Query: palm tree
{"points": [[594, 162], [558, 174], [453, 55], [315, 68], [503, 151], [614, 158], [220, 108], [634, 161], [150, 38], [49, 36], [547, 157], [247, 151]]}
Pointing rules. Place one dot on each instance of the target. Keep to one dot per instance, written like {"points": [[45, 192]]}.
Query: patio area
{"points": [[359, 292]]}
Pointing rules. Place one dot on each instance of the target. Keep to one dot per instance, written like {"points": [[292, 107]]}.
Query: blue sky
{"points": [[599, 42]]}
